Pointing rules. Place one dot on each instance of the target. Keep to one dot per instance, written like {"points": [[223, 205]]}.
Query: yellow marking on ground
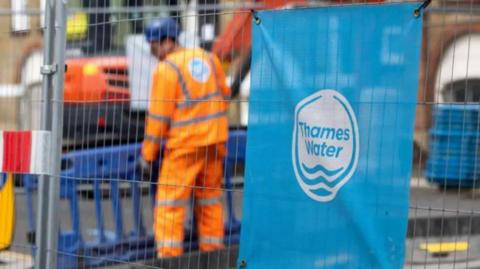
{"points": [[444, 247]]}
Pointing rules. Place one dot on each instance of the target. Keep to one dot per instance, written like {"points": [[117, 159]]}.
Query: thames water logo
{"points": [[199, 70], [325, 144]]}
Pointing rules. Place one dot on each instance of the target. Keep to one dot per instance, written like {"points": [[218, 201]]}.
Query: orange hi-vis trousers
{"points": [[183, 172]]}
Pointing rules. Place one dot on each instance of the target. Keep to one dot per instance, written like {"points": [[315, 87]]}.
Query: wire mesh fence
{"points": [[20, 32], [131, 198], [446, 215]]}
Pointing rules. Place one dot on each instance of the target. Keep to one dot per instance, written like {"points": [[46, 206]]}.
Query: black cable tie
{"points": [[424, 5], [255, 17]]}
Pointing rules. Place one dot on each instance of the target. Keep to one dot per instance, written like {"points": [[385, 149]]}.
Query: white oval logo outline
{"points": [[346, 173]]}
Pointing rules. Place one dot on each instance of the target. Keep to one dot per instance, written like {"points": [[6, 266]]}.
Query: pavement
{"points": [[15, 260], [436, 216]]}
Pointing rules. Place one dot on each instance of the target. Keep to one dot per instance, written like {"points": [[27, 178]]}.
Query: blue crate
{"points": [[456, 109], [471, 151], [442, 172], [456, 126], [467, 145], [452, 171], [454, 160], [454, 182], [457, 153], [464, 118], [454, 134], [456, 142], [454, 145]]}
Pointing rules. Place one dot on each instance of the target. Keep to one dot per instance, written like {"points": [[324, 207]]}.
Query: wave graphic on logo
{"points": [[319, 182], [320, 168]]}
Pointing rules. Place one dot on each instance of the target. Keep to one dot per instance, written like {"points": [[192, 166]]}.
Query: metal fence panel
{"points": [[105, 211], [20, 34]]}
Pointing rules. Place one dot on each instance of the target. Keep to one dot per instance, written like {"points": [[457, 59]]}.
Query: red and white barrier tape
{"points": [[25, 152]]}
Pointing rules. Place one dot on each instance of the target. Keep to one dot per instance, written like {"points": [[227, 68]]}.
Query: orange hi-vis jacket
{"points": [[188, 104]]}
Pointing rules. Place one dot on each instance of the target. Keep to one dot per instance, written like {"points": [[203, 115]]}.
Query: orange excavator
{"points": [[97, 101]]}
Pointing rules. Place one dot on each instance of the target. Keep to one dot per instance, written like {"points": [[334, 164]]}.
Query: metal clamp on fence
{"points": [[48, 69]]}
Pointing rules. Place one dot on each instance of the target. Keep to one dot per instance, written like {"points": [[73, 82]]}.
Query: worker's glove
{"points": [[144, 169]]}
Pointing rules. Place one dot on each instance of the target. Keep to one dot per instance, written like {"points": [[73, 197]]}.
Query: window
{"points": [[42, 13], [467, 91], [20, 19]]}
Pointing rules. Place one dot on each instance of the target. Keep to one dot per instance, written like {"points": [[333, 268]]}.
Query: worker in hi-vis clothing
{"points": [[187, 110]]}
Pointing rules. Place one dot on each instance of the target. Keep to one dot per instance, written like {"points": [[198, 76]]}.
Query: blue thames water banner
{"points": [[329, 154]]}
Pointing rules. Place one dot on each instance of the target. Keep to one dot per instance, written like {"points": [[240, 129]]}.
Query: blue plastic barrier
{"points": [[114, 165]]}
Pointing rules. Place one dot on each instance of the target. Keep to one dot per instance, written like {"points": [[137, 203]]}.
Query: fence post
{"points": [[46, 124], [57, 128]]}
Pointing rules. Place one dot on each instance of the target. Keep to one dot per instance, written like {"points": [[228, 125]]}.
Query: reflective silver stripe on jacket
{"points": [[160, 118], [208, 201], [181, 80], [210, 240], [169, 243], [152, 138], [171, 202], [182, 123], [206, 97]]}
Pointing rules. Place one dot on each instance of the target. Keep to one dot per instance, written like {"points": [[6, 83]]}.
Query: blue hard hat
{"points": [[162, 28]]}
